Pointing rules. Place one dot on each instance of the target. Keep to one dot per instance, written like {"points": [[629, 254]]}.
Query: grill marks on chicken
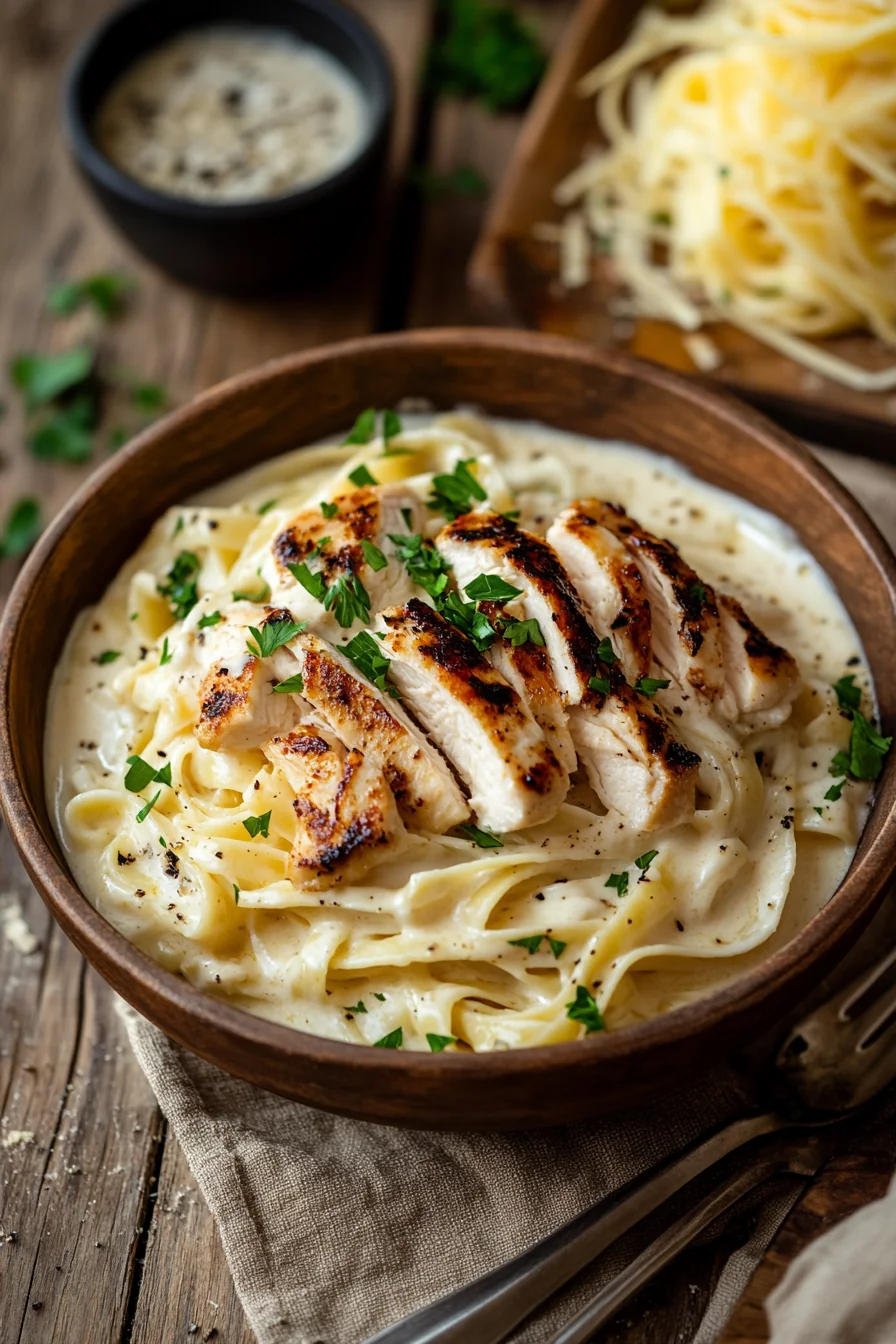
{"points": [[347, 817], [528, 670], [424, 788], [475, 717], [236, 708], [761, 675]]}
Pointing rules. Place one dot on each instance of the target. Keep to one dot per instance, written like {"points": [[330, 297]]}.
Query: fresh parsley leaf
{"points": [[265, 507], [467, 617], [601, 684], [381, 997], [619, 881], [363, 429], [368, 657], [867, 748], [104, 291], [557, 947], [117, 438], [272, 636], [374, 556], [523, 632], [179, 525], [391, 1041], [362, 476], [650, 685], [258, 825], [163, 776], [512, 515], [849, 695], [358, 1007], [108, 656], [490, 588], [312, 583], [605, 652], [22, 528], [211, 618], [408, 517], [834, 792], [145, 811], [328, 510], [148, 398], [485, 51], [180, 588], [453, 495], [317, 550], [236, 894], [348, 600], [839, 763], [422, 561], [584, 1009], [530, 944], [463, 180], [437, 1043], [819, 810], [294, 685], [139, 774], [66, 434], [42, 378], [643, 861], [484, 839], [261, 594], [166, 655], [698, 593], [391, 426]]}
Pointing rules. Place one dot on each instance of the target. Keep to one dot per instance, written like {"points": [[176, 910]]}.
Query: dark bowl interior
{"points": [[301, 399], [250, 248]]}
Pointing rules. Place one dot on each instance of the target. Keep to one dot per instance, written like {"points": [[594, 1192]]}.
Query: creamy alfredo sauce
{"points": [[427, 941], [232, 114]]}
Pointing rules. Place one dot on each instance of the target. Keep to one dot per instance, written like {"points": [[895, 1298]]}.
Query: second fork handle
{"points": [[490, 1307]]}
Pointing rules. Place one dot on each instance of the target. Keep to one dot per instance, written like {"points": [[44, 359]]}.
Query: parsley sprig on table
{"points": [[22, 528]]}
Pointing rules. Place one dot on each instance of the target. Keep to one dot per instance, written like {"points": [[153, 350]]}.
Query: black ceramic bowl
{"points": [[252, 248]]}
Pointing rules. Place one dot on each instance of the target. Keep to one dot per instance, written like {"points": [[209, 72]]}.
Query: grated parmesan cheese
{"points": [[16, 931]]}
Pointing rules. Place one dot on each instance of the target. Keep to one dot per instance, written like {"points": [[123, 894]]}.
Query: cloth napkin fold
{"points": [[333, 1228]]}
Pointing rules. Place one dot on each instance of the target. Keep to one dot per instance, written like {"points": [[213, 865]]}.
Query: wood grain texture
{"points": [[514, 276]]}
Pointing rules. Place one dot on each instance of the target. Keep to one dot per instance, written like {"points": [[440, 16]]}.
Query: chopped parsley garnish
{"points": [[437, 1043], [42, 378], [368, 657], [619, 881], [166, 655], [391, 1041], [467, 617], [849, 695], [819, 810], [523, 632], [148, 397], [328, 510], [164, 775], [363, 429], [211, 618], [317, 550], [381, 997], [358, 1007], [236, 894], [180, 588], [312, 583], [272, 636], [530, 944], [266, 507], [643, 861], [557, 947], [650, 685], [179, 525], [453, 494], [698, 593], [348, 600], [491, 588], [408, 517], [484, 839], [391, 426], [584, 1009], [292, 686], [145, 811], [104, 291], [605, 652], [362, 476], [601, 684], [261, 594], [421, 560], [258, 825], [140, 773], [374, 556], [108, 656], [485, 51], [834, 792], [22, 528]]}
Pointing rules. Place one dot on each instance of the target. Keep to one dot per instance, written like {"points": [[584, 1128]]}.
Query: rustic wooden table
{"points": [[103, 1235]]}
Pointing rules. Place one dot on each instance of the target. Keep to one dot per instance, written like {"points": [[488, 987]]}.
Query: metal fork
{"points": [[834, 1060]]}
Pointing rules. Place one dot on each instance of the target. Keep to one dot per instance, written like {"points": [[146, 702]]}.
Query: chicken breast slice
{"points": [[366, 516], [528, 670], [425, 790], [636, 764], [346, 816], [607, 580], [687, 637], [237, 709], [486, 543], [475, 717], [762, 676]]}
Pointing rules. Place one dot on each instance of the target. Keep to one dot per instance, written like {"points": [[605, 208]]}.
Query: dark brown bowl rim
{"points": [[856, 894]]}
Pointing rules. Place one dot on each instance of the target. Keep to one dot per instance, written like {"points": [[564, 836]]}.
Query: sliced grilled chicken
{"points": [[687, 638], [344, 808], [634, 761], [475, 717], [367, 516], [427, 794], [236, 708], [486, 543], [528, 670], [761, 675], [607, 580]]}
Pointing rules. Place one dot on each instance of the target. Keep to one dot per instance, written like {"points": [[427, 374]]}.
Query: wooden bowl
{"points": [[304, 398]]}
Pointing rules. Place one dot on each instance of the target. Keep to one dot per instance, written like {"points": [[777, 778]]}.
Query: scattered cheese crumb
{"points": [[16, 931], [704, 352], [17, 1138]]}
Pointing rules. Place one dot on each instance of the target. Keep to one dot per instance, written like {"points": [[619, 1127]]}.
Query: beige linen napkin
{"points": [[334, 1228]]}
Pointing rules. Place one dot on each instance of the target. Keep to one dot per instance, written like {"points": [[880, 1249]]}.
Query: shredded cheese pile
{"points": [[751, 178]]}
